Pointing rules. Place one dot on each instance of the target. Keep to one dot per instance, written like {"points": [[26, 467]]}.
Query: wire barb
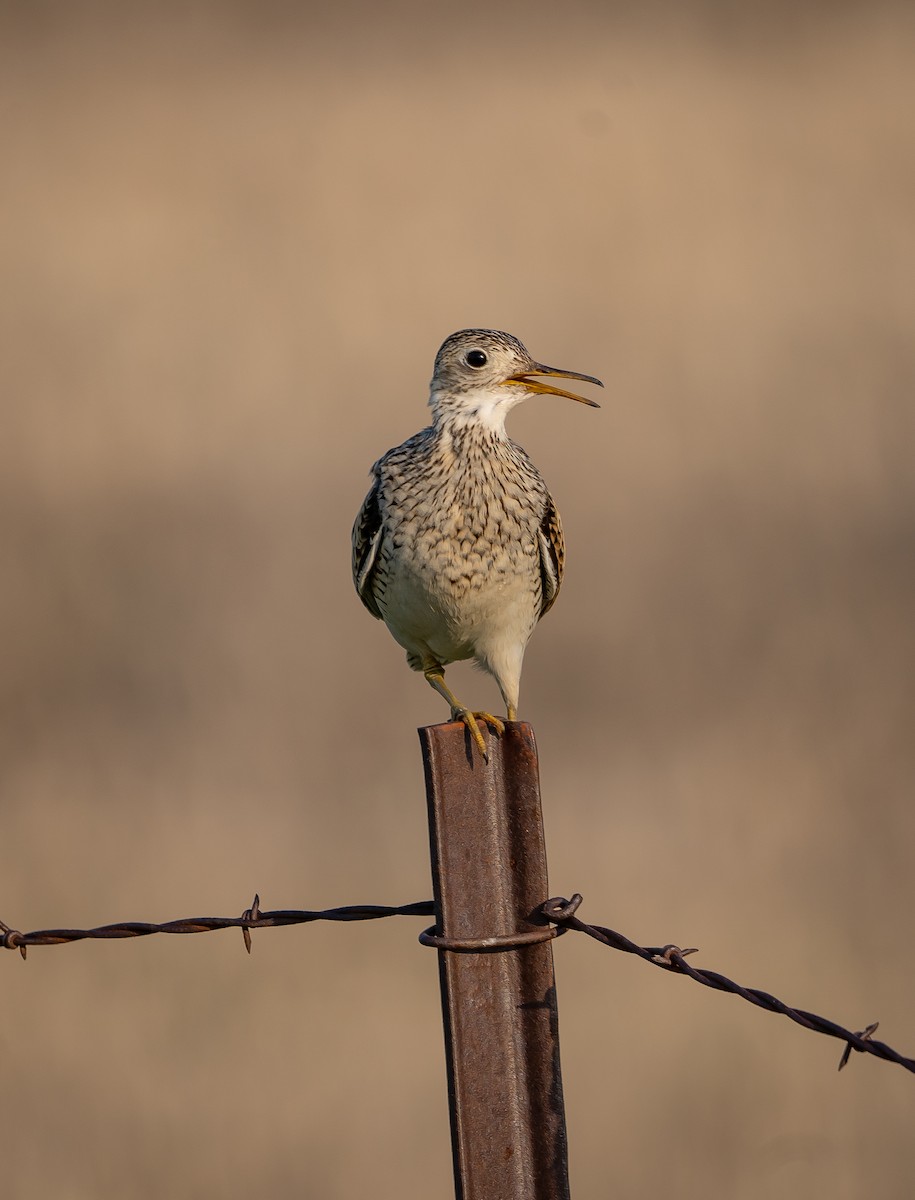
{"points": [[865, 1036], [670, 955], [251, 915], [13, 940]]}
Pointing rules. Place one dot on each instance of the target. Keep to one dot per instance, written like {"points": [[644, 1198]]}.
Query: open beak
{"points": [[524, 378]]}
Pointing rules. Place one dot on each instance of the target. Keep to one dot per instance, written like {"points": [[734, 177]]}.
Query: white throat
{"points": [[486, 407]]}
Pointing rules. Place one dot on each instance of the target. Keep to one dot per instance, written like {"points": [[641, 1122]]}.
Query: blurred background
{"points": [[233, 236]]}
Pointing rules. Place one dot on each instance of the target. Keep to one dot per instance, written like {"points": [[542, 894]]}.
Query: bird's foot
{"points": [[435, 677], [471, 720]]}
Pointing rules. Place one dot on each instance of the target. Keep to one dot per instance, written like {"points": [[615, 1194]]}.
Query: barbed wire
{"points": [[671, 958], [558, 911], [252, 917]]}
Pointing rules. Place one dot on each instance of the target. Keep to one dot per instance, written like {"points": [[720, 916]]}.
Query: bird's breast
{"points": [[460, 547]]}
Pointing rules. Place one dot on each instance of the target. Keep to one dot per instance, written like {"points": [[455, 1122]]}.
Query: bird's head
{"points": [[481, 374]]}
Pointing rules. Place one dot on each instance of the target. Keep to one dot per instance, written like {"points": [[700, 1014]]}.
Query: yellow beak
{"points": [[524, 379]]}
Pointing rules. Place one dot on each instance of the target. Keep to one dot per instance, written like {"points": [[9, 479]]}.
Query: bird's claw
{"points": [[471, 718]]}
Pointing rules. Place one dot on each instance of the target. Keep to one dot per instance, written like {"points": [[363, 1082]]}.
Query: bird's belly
{"points": [[450, 617]]}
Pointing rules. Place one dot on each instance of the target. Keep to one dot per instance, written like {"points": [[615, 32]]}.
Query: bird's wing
{"points": [[366, 537], [552, 555]]}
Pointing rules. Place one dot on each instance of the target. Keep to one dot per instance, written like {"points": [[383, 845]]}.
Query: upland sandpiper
{"points": [[458, 546]]}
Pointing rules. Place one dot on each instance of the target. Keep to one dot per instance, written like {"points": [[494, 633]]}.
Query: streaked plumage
{"points": [[458, 546]]}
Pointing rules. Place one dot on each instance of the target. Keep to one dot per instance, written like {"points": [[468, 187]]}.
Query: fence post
{"points": [[498, 1001]]}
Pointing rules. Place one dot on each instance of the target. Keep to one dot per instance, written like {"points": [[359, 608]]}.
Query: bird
{"points": [[458, 546]]}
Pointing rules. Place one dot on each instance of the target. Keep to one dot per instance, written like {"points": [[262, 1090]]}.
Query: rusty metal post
{"points": [[499, 1000]]}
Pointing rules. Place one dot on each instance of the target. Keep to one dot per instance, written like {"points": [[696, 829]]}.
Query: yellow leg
{"points": [[512, 713], [435, 676]]}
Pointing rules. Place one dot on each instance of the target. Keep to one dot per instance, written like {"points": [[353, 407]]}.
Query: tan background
{"points": [[233, 236]]}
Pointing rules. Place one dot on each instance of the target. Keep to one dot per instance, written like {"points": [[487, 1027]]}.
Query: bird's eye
{"points": [[476, 358]]}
